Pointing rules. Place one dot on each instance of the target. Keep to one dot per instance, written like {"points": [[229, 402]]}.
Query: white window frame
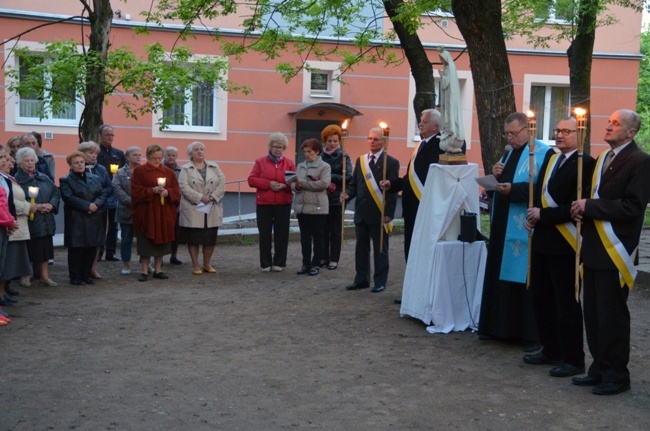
{"points": [[552, 19], [327, 91], [220, 118], [329, 67], [13, 115], [547, 81]]}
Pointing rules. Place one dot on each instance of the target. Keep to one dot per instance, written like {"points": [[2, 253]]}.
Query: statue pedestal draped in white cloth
{"points": [[443, 283]]}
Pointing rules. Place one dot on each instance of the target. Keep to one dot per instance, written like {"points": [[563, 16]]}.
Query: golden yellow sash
{"points": [[568, 229], [373, 187], [414, 180], [615, 249]]}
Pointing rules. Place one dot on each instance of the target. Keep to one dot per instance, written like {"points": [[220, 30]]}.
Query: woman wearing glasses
{"points": [[273, 200]]}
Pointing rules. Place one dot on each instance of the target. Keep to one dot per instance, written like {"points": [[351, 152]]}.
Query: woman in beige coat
{"points": [[203, 187]]}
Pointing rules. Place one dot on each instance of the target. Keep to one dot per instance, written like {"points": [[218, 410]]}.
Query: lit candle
{"points": [[33, 192], [114, 168], [385, 129], [532, 129], [162, 181]]}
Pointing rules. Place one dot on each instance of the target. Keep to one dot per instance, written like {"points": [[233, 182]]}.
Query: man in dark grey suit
{"points": [[613, 218], [364, 186], [557, 313]]}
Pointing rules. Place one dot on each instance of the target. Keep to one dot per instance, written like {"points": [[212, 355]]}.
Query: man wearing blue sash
{"points": [[364, 186], [558, 314], [613, 218], [506, 305]]}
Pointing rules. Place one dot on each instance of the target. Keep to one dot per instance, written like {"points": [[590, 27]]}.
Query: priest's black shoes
{"points": [[357, 286], [609, 388], [585, 381], [540, 359], [378, 288], [566, 370]]}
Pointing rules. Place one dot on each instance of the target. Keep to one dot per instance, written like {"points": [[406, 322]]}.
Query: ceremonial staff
{"points": [[385, 132], [582, 129], [532, 135], [344, 136]]}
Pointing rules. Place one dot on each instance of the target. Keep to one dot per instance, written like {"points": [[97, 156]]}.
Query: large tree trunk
{"points": [[421, 69], [100, 28], [580, 54], [480, 24]]}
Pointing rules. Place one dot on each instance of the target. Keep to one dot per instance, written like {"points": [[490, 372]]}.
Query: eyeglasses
{"points": [[565, 132], [513, 134]]}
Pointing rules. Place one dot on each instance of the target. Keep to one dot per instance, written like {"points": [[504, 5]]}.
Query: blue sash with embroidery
{"points": [[514, 261]]}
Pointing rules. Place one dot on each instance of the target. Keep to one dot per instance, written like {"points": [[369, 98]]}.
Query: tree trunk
{"points": [[580, 55], [421, 69], [100, 29], [480, 24]]}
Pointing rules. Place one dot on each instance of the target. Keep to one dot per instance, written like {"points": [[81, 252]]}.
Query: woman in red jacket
{"points": [[273, 200]]}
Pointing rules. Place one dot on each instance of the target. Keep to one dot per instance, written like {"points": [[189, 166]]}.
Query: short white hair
{"points": [[24, 152]]}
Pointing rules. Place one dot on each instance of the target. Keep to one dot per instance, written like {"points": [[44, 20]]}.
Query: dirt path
{"points": [[243, 350]]}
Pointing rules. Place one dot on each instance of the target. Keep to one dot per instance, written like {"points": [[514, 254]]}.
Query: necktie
{"points": [[608, 160], [372, 161], [560, 160]]}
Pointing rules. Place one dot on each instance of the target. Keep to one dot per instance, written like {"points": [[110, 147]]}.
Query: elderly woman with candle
{"points": [[155, 196], [83, 195], [202, 183], [122, 187], [42, 225], [273, 200], [333, 155]]}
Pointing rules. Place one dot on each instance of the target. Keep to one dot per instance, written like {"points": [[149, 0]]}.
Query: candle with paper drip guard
{"points": [[114, 168], [162, 181], [33, 193]]}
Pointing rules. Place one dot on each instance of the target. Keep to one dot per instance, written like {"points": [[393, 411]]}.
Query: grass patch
{"points": [[646, 221]]}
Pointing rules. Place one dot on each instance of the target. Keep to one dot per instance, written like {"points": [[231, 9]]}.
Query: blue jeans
{"points": [[126, 242]]}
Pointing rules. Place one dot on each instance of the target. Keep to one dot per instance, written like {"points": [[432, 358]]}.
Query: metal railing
{"points": [[238, 182]]}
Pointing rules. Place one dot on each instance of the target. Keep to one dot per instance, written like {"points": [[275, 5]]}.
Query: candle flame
{"points": [[383, 125], [580, 112], [344, 126], [530, 114]]}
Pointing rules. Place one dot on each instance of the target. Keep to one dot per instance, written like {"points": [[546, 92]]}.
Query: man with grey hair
{"points": [[169, 159], [412, 184], [613, 218]]}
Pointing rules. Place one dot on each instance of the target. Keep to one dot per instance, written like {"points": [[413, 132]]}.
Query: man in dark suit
{"points": [[364, 186], [412, 185], [557, 313], [613, 218]]}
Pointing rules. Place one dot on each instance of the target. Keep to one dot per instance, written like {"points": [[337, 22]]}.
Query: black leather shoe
{"points": [[4, 303], [566, 370], [314, 271], [160, 275], [143, 277], [175, 261], [12, 292], [585, 381], [76, 282], [112, 259], [8, 298], [378, 288], [303, 270], [609, 388], [540, 359], [531, 347], [90, 280], [357, 286]]}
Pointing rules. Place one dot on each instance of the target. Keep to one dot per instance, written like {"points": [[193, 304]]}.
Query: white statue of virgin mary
{"points": [[452, 138]]}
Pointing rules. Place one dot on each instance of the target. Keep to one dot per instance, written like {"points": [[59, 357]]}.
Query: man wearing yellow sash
{"points": [[613, 218], [558, 315], [412, 184], [364, 186]]}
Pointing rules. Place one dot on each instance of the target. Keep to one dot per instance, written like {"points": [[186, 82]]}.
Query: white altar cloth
{"points": [[441, 286], [451, 301]]}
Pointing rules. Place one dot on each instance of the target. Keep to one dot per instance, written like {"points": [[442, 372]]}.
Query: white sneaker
{"points": [[267, 269], [276, 268]]}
